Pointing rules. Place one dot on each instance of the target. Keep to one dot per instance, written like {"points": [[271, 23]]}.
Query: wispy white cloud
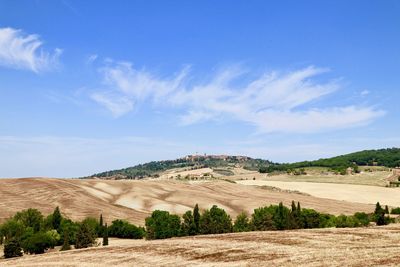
{"points": [[272, 102], [21, 51]]}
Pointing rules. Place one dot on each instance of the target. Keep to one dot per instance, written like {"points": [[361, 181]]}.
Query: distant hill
{"points": [[155, 168], [382, 157]]}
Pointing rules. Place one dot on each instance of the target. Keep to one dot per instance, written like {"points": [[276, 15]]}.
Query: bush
{"points": [[242, 223], [215, 221], [123, 229], [363, 218], [85, 237], [161, 225], [39, 242], [262, 219], [12, 249], [395, 211], [188, 226], [30, 218], [310, 218]]}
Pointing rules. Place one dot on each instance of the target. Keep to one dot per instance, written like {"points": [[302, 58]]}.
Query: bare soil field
{"points": [[135, 200], [374, 246], [346, 192]]}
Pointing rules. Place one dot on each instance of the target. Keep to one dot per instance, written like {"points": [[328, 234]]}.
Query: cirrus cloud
{"points": [[21, 51], [271, 102]]}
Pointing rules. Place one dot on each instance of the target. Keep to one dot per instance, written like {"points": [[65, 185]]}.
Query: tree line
{"points": [[383, 157], [29, 232]]}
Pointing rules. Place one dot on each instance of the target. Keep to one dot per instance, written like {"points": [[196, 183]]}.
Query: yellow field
{"points": [[375, 246]]}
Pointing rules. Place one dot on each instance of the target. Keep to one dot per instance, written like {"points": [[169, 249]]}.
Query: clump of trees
{"points": [[382, 157], [29, 232], [162, 224]]}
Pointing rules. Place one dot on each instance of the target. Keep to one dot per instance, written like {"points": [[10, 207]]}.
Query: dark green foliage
{"points": [[386, 209], [123, 229], [310, 218], [262, 219], [12, 229], [66, 243], [242, 223], [38, 243], [30, 218], [12, 248], [85, 237], [105, 235], [215, 221], [188, 226], [382, 157], [281, 217], [363, 218], [93, 225], [71, 228], [395, 211], [56, 218], [379, 215], [155, 167], [162, 225], [196, 218]]}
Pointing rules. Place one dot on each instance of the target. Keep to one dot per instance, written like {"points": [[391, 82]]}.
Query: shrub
{"points": [[123, 229], [262, 219], [188, 226], [310, 218], [12, 248], [30, 218], [85, 237], [215, 221], [363, 218], [395, 211], [38, 242], [161, 225], [242, 223]]}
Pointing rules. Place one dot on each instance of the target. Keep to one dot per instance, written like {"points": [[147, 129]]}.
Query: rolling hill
{"points": [[223, 164]]}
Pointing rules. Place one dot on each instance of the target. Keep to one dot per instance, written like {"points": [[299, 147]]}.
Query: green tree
{"points": [[281, 217], [12, 248], [56, 218], [30, 218], [105, 235], [66, 243], [123, 229], [242, 223], [196, 218], [161, 224], [38, 243], [215, 221], [188, 226], [379, 214], [12, 229], [262, 219], [85, 237]]}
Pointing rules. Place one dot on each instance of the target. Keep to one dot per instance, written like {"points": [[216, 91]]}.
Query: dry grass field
{"points": [[347, 192], [135, 200], [374, 246]]}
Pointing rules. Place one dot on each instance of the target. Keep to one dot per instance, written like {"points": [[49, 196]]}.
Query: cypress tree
{"points": [[196, 218], [101, 220], [298, 208], [66, 245], [379, 214], [56, 219], [105, 235], [386, 209]]}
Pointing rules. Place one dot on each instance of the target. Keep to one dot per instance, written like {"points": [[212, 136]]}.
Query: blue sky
{"points": [[88, 86]]}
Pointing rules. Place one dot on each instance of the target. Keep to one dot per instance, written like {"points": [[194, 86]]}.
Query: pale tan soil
{"points": [[375, 246], [135, 200], [346, 192]]}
